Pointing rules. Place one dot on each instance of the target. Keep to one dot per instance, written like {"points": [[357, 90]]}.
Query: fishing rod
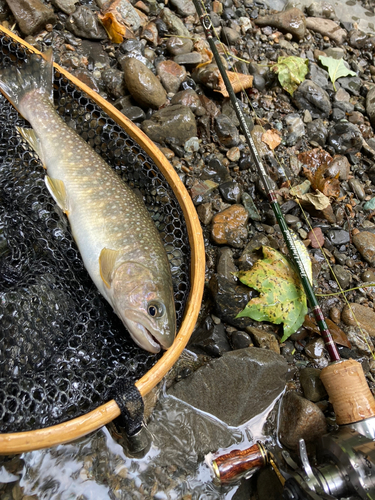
{"points": [[326, 334], [344, 380]]}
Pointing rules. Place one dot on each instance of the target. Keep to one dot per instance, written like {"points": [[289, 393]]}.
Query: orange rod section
{"points": [[20, 442]]}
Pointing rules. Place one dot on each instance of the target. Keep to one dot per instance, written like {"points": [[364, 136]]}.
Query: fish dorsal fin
{"points": [[58, 193], [30, 137], [107, 261]]}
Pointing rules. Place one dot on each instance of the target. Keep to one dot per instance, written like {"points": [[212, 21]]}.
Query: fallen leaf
{"points": [[282, 298], [318, 200], [239, 82], [272, 138], [316, 163], [338, 335], [115, 30], [312, 160], [336, 68], [291, 71]]}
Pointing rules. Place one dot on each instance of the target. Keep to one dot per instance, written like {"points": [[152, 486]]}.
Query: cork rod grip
{"points": [[348, 391]]}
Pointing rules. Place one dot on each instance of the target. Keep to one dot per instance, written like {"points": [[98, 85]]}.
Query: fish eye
{"points": [[156, 309]]}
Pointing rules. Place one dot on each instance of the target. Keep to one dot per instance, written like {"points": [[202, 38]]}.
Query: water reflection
{"points": [[176, 466]]}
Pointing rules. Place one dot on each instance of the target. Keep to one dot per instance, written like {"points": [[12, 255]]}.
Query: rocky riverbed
{"points": [[151, 60]]}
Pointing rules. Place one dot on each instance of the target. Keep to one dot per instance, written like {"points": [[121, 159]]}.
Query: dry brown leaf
{"points": [[318, 200], [271, 138], [239, 82], [207, 57], [116, 31], [337, 334], [316, 164]]}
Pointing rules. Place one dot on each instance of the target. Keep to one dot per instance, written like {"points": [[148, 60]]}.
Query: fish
{"points": [[120, 246]]}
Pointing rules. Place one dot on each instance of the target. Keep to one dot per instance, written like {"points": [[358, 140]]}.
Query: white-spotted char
{"points": [[119, 243]]}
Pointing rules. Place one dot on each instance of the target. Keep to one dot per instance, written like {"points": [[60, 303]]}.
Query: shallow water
{"points": [[176, 466]]}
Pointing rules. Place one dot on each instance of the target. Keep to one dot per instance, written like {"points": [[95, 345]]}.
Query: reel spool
{"points": [[35, 391]]}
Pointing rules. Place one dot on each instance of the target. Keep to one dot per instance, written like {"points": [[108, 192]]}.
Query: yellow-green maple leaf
{"points": [[282, 298]]}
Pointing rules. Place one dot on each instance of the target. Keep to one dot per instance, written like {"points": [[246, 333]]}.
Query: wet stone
{"points": [[176, 45], [230, 299], [311, 96], [327, 27], [215, 171], [201, 189], [319, 76], [316, 237], [312, 386], [345, 138], [370, 105], [134, 113], [315, 348], [320, 9], [226, 131], [368, 276], [295, 128], [230, 36], [248, 203], [32, 15], [184, 7], [364, 315], [229, 226], [344, 276], [317, 131], [171, 75], [67, 6], [336, 53], [175, 122], [187, 98], [211, 339], [339, 165], [357, 188], [365, 244], [175, 25], [113, 80], [291, 21], [230, 191], [350, 83], [205, 213], [300, 418], [240, 340], [143, 85], [233, 154], [224, 386], [225, 265], [84, 23], [263, 339]]}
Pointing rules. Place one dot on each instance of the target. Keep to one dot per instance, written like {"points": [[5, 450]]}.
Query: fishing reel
{"points": [[345, 465]]}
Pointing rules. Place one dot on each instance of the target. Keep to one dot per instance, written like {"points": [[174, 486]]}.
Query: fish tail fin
{"points": [[34, 75]]}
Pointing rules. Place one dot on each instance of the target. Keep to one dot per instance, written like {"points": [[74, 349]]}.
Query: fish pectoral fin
{"points": [[107, 261], [58, 193], [30, 137]]}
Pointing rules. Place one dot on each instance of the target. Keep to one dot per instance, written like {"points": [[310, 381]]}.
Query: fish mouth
{"points": [[143, 336]]}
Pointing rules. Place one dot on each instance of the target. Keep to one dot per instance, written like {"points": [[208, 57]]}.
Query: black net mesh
{"points": [[61, 345]]}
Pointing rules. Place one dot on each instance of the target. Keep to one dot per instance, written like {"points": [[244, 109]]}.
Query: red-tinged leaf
{"points": [[338, 335]]}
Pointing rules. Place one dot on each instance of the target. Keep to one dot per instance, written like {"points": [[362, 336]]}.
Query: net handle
{"points": [[20, 442]]}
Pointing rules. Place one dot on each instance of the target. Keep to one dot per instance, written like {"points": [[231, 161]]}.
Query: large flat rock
{"points": [[237, 386]]}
